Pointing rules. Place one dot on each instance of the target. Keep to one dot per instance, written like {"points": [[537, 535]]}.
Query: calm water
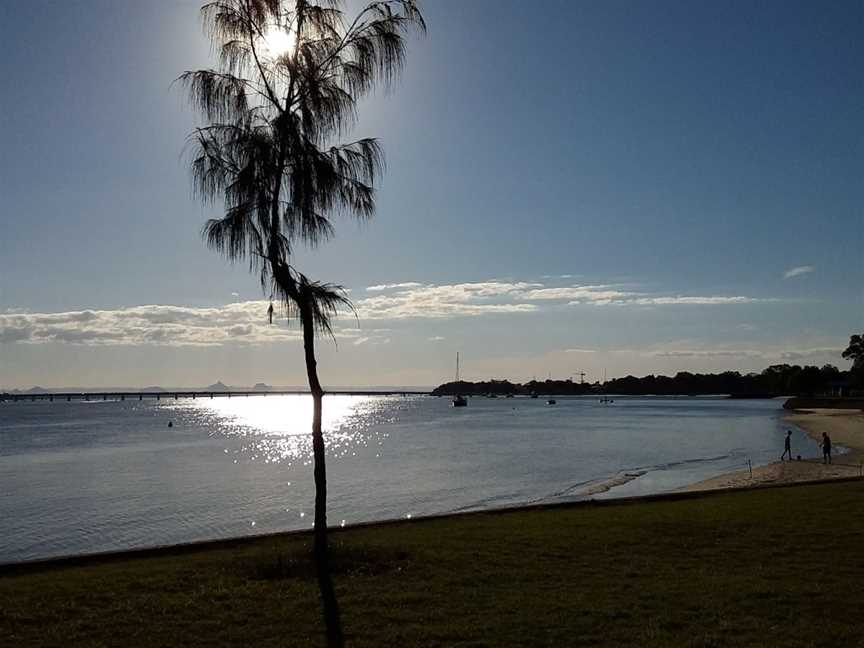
{"points": [[83, 477]]}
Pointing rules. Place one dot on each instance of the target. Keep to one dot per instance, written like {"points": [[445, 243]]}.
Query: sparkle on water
{"points": [[102, 476], [278, 429]]}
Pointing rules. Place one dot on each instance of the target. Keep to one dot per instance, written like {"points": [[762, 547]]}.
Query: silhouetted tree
{"points": [[855, 353], [289, 76]]}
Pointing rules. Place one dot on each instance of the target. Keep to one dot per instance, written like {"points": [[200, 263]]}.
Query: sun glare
{"points": [[277, 42]]}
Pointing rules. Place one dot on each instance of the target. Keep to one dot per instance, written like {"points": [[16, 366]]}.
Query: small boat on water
{"points": [[458, 399], [604, 399], [551, 401]]}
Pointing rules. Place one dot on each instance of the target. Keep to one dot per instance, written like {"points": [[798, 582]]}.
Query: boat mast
{"points": [[457, 366]]}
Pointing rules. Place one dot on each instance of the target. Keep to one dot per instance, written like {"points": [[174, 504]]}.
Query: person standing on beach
{"points": [[826, 448], [787, 449]]}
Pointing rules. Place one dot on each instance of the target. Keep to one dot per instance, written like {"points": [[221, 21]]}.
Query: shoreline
{"points": [[844, 426], [32, 565]]}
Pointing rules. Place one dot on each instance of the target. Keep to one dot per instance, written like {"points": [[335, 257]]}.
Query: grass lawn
{"points": [[762, 568]]}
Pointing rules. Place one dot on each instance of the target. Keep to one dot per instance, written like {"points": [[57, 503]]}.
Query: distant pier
{"points": [[176, 395]]}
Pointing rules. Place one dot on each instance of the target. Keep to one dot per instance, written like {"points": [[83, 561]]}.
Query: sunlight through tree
{"points": [[285, 90]]}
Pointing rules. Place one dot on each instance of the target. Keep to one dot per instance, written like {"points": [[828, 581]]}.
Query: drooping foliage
{"points": [[269, 150], [325, 300]]}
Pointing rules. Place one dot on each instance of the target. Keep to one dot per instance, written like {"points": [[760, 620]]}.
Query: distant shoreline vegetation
{"points": [[776, 380]]}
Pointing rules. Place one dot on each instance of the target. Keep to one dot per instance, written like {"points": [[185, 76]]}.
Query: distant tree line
{"points": [[776, 380]]}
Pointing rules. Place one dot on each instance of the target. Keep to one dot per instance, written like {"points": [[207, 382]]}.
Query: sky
{"points": [[615, 187]]}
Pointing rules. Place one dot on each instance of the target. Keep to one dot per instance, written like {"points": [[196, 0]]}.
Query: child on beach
{"points": [[826, 448], [788, 446]]}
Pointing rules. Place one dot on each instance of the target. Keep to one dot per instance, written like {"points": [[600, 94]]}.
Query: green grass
{"points": [[761, 568]]}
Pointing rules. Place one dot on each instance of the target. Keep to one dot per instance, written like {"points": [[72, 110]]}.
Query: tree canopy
{"points": [[270, 149], [855, 351]]}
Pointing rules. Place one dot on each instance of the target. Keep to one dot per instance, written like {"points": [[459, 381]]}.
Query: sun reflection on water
{"points": [[277, 429]]}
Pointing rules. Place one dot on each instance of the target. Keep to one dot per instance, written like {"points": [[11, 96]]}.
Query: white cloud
{"points": [[707, 353], [436, 338], [806, 355], [799, 270], [244, 322], [606, 294], [404, 301], [768, 355], [413, 300], [697, 301], [371, 340], [381, 287], [579, 294], [579, 351]]}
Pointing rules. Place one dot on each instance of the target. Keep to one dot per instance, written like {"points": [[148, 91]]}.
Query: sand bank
{"points": [[845, 427]]}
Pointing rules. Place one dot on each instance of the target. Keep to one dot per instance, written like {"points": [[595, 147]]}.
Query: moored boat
{"points": [[458, 399]]}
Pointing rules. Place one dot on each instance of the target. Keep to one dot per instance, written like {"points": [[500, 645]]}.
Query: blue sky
{"points": [[662, 166]]}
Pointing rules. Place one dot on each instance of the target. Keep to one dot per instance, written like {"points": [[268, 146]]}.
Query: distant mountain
{"points": [[216, 387]]}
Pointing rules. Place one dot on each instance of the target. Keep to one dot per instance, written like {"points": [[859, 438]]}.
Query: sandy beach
{"points": [[846, 429]]}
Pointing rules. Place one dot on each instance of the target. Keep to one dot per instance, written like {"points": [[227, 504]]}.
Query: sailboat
{"points": [[458, 401], [604, 398]]}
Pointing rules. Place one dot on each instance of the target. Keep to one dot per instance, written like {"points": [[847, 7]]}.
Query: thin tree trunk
{"points": [[317, 435], [332, 619]]}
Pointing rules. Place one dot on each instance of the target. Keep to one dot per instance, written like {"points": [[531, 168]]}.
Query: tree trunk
{"points": [[317, 435], [332, 619]]}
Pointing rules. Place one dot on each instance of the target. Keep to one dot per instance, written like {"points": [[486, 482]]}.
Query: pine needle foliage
{"points": [[270, 149]]}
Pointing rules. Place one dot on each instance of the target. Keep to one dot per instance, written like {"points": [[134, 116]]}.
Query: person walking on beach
{"points": [[787, 449], [826, 448]]}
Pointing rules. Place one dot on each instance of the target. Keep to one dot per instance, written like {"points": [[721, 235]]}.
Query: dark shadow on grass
{"points": [[330, 604], [344, 561]]}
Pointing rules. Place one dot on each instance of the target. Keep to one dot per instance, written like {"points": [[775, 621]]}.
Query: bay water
{"points": [[81, 477]]}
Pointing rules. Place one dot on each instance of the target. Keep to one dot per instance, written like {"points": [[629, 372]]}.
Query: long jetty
{"points": [[175, 395]]}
